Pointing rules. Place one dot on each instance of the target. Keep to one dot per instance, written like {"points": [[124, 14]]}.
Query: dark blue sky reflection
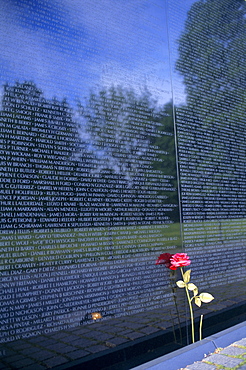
{"points": [[70, 47]]}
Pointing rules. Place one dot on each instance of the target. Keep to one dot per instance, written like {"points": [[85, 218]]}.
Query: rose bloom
{"points": [[179, 260], [164, 259]]}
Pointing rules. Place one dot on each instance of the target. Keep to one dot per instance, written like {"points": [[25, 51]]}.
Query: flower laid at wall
{"points": [[180, 260]]}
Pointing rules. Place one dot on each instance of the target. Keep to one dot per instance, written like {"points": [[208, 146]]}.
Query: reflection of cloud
{"points": [[134, 40], [1, 96], [158, 84], [28, 55], [91, 43], [108, 22]]}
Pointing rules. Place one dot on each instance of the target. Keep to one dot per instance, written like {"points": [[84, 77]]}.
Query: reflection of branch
{"points": [[110, 127], [174, 290]]}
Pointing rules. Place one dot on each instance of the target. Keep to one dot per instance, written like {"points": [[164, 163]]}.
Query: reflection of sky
{"points": [[68, 47], [177, 14]]}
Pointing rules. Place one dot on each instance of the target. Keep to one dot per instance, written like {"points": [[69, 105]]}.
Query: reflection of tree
{"points": [[115, 170], [117, 128], [212, 56], [38, 138], [132, 142], [166, 163], [211, 126]]}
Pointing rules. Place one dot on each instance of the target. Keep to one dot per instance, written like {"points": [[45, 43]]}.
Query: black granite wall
{"points": [[122, 137]]}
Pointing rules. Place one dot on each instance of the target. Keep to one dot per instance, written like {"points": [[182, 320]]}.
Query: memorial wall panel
{"points": [[122, 128], [89, 187], [211, 125]]}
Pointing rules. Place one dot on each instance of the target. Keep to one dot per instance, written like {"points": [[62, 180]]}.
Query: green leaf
{"points": [[198, 301], [206, 297], [192, 286], [180, 283], [195, 292], [186, 276]]}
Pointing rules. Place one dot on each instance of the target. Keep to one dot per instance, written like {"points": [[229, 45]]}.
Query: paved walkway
{"points": [[232, 357], [60, 349]]}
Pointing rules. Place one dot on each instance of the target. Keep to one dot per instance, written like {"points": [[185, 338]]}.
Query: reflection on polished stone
{"points": [[122, 137]]}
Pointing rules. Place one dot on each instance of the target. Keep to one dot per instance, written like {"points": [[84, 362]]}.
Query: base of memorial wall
{"points": [[55, 300], [128, 341], [43, 300]]}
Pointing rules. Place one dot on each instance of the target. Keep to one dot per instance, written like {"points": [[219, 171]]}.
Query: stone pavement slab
{"points": [[201, 366], [241, 342], [223, 360], [231, 357], [233, 351]]}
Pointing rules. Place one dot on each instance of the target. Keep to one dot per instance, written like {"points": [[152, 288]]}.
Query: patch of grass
{"points": [[23, 249], [86, 245]]}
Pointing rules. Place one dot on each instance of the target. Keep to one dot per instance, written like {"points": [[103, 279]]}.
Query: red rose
{"points": [[164, 259], [179, 260]]}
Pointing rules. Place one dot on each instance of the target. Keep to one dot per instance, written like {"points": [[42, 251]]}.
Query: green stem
{"points": [[191, 310], [178, 316], [200, 328]]}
